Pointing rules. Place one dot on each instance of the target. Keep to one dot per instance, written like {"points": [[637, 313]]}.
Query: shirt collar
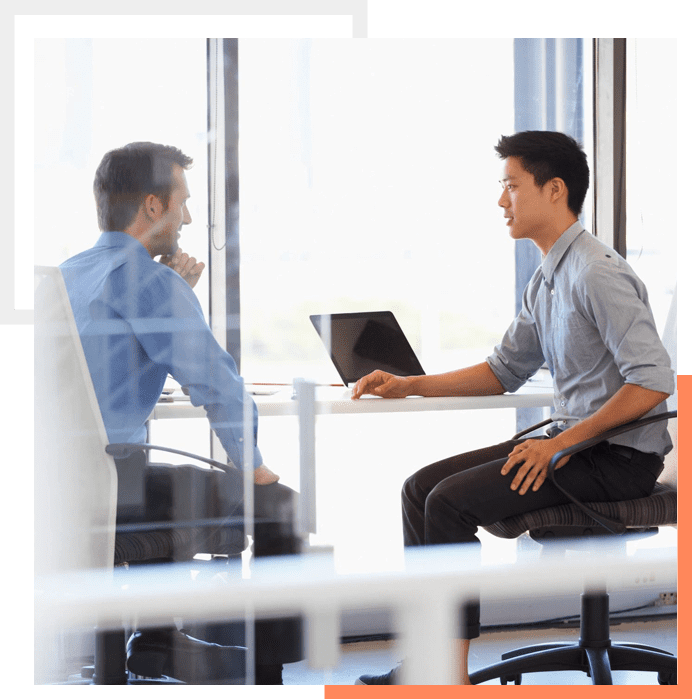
{"points": [[118, 239], [560, 247]]}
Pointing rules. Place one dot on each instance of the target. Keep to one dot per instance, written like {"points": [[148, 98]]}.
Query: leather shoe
{"points": [[184, 658], [391, 677]]}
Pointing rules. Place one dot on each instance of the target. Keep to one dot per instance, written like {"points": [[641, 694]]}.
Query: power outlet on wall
{"points": [[667, 599]]}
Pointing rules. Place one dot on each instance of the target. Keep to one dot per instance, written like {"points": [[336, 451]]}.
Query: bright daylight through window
{"points": [[368, 181]]}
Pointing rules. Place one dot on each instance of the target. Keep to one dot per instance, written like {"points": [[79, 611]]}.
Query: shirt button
{"points": [[563, 403], [241, 439], [552, 292]]}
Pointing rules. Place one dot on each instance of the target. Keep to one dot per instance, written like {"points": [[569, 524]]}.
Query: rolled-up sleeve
{"points": [[519, 355]]}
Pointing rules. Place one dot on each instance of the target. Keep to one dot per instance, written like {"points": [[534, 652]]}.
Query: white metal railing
{"points": [[424, 596]]}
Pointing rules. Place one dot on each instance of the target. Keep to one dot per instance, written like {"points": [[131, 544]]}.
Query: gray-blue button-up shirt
{"points": [[586, 314]]}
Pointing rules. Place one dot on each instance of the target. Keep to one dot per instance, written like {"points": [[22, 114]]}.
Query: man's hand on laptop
{"points": [[187, 267], [263, 476], [380, 383]]}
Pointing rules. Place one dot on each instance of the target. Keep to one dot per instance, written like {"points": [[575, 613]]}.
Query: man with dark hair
{"points": [[548, 154], [140, 321], [586, 315]]}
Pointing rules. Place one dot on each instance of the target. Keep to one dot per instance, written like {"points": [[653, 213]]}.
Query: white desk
{"points": [[336, 400]]}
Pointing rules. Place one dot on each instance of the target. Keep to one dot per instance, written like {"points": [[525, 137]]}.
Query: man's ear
{"points": [[153, 207], [558, 189]]}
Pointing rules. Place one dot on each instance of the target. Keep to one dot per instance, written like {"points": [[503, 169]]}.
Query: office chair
{"points": [[162, 541], [76, 487], [594, 653]]}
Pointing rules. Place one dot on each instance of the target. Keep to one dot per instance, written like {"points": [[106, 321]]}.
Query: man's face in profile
{"points": [[526, 205], [175, 216]]}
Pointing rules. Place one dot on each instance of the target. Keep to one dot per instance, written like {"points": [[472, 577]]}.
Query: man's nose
{"points": [[503, 201], [187, 219]]}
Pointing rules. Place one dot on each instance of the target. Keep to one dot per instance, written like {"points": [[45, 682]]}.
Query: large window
{"points": [[369, 181], [652, 167]]}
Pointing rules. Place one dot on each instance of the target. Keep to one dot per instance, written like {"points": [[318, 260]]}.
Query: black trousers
{"points": [[155, 492], [447, 501]]}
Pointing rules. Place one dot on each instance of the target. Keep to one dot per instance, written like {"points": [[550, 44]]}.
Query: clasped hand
{"points": [[187, 267], [532, 458]]}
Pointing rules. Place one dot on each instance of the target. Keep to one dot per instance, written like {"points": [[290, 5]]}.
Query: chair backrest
{"points": [[75, 487], [670, 470]]}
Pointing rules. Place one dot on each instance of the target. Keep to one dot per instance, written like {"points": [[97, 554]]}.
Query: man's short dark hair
{"points": [[549, 154], [127, 175]]}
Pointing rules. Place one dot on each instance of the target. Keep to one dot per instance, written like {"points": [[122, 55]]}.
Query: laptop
{"points": [[359, 343]]}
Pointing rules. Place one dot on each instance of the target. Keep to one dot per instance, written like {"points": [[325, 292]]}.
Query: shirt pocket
{"points": [[576, 340]]}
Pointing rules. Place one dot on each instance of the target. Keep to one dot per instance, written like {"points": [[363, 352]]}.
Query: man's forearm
{"points": [[629, 403], [478, 380]]}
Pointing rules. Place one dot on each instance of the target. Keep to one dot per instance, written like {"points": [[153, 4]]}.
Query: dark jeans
{"points": [[447, 501], [153, 492]]}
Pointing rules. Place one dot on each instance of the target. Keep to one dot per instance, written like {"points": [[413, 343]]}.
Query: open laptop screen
{"points": [[359, 343]]}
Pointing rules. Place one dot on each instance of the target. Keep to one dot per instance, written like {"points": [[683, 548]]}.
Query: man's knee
{"points": [[276, 502], [410, 489], [447, 502], [275, 532], [436, 500]]}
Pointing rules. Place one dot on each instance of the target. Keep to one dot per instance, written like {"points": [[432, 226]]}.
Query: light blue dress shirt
{"points": [[586, 314], [140, 321]]}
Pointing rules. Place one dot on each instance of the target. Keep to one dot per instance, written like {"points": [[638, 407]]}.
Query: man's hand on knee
{"points": [[532, 457], [263, 476]]}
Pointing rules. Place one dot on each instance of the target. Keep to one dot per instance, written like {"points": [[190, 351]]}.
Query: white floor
{"points": [[379, 657]]}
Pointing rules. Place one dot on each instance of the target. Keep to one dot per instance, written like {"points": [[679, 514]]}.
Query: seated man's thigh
{"points": [[185, 492]]}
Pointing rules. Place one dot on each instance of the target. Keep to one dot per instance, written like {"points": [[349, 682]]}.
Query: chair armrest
{"points": [[123, 450], [528, 430], [609, 524]]}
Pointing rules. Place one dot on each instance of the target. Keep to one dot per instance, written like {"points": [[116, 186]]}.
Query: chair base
{"points": [[597, 663], [594, 654]]}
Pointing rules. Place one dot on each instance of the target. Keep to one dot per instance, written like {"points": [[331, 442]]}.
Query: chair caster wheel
{"points": [[667, 677], [515, 679]]}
